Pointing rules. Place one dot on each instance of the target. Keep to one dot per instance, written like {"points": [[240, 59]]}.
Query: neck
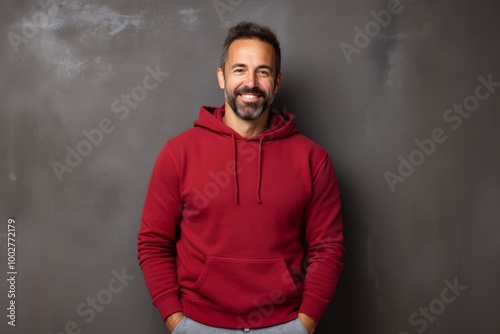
{"points": [[245, 128]]}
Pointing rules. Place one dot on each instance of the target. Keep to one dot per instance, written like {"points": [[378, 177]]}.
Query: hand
{"points": [[172, 320], [308, 322]]}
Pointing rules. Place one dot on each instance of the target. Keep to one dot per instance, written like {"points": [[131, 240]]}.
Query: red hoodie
{"points": [[241, 232]]}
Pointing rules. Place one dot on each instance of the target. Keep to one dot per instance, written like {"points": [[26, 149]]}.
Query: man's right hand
{"points": [[172, 320]]}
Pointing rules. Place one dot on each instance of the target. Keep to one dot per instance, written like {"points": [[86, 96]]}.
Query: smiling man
{"points": [[241, 230]]}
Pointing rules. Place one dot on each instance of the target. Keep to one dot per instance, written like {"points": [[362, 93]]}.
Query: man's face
{"points": [[249, 78]]}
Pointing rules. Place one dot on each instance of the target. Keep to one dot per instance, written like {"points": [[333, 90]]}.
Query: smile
{"points": [[249, 96]]}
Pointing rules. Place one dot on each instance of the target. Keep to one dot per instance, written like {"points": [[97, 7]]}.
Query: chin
{"points": [[249, 116]]}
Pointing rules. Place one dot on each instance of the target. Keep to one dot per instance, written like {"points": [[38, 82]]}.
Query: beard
{"points": [[248, 110]]}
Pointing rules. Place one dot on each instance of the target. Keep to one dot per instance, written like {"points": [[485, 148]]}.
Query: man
{"points": [[241, 229]]}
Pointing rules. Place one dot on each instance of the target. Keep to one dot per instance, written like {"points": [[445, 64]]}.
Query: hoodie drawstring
{"points": [[259, 200], [235, 172], [280, 125], [236, 187]]}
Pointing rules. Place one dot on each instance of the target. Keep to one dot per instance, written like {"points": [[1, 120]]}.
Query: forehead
{"points": [[252, 51]]}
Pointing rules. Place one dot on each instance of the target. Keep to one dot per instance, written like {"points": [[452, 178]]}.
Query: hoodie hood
{"points": [[280, 126]]}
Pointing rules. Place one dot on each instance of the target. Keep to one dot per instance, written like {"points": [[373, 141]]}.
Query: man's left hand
{"points": [[308, 322]]}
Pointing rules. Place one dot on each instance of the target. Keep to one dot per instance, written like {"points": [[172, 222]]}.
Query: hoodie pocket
{"points": [[240, 285]]}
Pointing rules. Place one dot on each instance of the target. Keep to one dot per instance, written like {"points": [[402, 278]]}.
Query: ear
{"points": [[220, 78], [277, 85]]}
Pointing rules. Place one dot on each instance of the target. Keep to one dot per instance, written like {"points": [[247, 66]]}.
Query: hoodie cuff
{"points": [[313, 307], [167, 305]]}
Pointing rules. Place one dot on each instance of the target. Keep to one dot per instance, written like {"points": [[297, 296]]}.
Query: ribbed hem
{"points": [[313, 307], [167, 305], [264, 316]]}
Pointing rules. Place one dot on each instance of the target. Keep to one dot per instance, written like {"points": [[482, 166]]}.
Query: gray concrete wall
{"points": [[397, 92]]}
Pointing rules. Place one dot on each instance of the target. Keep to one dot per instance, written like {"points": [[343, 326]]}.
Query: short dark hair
{"points": [[250, 30]]}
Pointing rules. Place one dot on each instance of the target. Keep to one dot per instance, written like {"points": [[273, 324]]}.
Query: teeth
{"points": [[249, 96]]}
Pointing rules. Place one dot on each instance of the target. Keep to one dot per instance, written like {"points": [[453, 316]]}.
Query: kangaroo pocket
{"points": [[240, 285]]}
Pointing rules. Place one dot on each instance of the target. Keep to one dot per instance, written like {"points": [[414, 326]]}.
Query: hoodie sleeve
{"points": [[324, 239], [157, 235]]}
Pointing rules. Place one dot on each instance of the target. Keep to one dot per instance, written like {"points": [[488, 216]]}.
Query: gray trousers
{"points": [[189, 326]]}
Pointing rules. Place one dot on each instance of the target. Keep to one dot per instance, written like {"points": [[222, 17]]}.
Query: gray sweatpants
{"points": [[189, 326]]}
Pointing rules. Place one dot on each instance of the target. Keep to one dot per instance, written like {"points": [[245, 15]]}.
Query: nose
{"points": [[251, 80]]}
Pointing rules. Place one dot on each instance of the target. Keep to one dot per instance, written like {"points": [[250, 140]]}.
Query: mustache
{"points": [[248, 90]]}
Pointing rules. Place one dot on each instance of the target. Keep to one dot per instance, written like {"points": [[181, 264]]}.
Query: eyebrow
{"points": [[258, 67]]}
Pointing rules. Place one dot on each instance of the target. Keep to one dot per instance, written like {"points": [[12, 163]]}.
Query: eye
{"points": [[238, 70], [264, 73]]}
